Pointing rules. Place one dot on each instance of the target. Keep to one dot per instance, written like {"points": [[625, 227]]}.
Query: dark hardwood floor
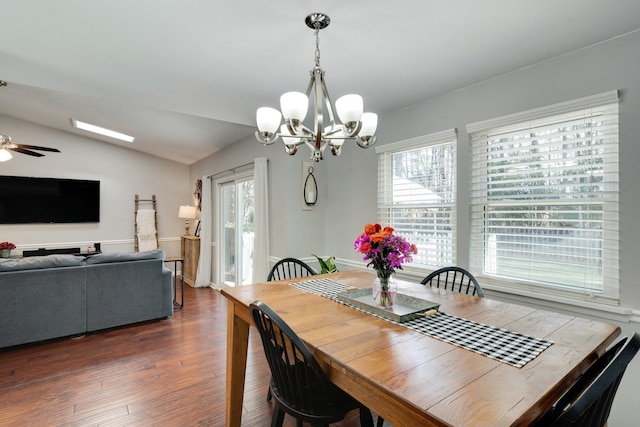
{"points": [[153, 374]]}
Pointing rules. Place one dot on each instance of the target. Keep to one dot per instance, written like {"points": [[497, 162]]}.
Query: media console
{"points": [[58, 251], [43, 251]]}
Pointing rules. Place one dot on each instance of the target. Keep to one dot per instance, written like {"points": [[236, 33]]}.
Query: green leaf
{"points": [[328, 266]]}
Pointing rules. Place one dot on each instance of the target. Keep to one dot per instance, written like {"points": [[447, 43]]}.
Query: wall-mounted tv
{"points": [[29, 200]]}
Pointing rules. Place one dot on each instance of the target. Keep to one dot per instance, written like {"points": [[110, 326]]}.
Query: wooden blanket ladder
{"points": [[145, 230]]}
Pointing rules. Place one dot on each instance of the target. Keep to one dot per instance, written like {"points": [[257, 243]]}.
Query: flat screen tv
{"points": [[29, 200]]}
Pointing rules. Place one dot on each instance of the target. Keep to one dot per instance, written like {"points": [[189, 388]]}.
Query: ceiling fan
{"points": [[6, 144]]}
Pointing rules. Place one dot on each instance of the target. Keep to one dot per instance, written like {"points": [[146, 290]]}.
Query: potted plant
{"points": [[5, 249], [328, 265]]}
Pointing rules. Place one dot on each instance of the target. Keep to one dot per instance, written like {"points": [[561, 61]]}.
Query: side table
{"points": [[175, 261], [190, 252]]}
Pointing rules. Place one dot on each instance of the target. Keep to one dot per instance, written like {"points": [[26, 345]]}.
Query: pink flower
{"points": [[385, 251]]}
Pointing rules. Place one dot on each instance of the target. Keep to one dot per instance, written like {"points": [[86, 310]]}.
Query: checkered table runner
{"points": [[323, 287], [503, 345]]}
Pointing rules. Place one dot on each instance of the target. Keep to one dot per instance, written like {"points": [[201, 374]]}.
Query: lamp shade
{"points": [[294, 105], [369, 124], [5, 155], [349, 108], [268, 119], [187, 211]]}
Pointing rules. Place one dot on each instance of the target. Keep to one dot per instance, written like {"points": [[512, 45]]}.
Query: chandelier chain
{"points": [[317, 47]]}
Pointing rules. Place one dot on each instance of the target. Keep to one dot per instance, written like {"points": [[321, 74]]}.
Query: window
{"points": [[544, 200], [417, 194]]}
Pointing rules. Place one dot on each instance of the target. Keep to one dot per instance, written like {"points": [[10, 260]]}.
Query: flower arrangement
{"points": [[7, 245], [384, 250]]}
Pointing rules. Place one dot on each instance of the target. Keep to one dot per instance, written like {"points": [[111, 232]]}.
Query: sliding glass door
{"points": [[236, 233]]}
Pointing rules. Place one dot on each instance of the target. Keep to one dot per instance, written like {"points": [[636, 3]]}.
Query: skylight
{"points": [[100, 130]]}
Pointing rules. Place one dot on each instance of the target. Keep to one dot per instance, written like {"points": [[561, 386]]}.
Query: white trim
{"points": [[397, 192], [581, 308], [507, 128], [537, 113], [410, 274], [85, 244], [553, 296], [417, 142], [585, 308]]}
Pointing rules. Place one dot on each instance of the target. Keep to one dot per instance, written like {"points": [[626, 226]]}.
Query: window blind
{"points": [[417, 194], [544, 200]]}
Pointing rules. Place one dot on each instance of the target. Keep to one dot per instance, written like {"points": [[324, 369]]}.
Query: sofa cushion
{"points": [[40, 262], [125, 256]]}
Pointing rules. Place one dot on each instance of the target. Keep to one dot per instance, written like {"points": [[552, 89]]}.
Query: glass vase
{"points": [[5, 253], [384, 290]]}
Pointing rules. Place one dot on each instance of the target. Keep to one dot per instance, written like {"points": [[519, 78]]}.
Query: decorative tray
{"points": [[405, 307]]}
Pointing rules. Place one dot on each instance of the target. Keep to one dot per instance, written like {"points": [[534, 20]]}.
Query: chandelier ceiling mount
{"points": [[317, 21]]}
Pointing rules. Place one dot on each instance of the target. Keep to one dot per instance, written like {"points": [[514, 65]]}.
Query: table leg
{"points": [[175, 290], [175, 262], [237, 343]]}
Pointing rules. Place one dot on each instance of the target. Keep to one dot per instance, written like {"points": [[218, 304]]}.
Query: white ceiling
{"points": [[185, 77]]}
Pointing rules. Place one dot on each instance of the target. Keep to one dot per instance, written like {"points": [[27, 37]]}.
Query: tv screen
{"points": [[28, 200]]}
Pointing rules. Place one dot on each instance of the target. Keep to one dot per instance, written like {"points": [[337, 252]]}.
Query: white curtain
{"points": [[203, 275], [261, 220]]}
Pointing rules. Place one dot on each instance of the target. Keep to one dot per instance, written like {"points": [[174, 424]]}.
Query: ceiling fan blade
{"points": [[25, 151], [35, 147]]}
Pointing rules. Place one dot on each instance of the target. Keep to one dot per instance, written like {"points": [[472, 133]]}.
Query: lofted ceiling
{"points": [[185, 77]]}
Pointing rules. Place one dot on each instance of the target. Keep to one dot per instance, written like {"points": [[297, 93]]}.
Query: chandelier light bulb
{"points": [[268, 119], [5, 155], [349, 108], [290, 149], [369, 124], [294, 105]]}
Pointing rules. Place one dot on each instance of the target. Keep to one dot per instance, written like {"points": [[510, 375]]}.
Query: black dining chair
{"points": [[455, 279], [298, 384], [289, 268], [588, 401]]}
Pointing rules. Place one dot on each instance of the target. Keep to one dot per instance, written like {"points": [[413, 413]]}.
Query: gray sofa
{"points": [[63, 295]]}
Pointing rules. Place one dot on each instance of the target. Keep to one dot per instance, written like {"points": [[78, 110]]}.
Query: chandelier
{"points": [[355, 125]]}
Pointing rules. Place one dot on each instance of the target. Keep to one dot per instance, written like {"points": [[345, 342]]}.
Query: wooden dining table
{"points": [[408, 377]]}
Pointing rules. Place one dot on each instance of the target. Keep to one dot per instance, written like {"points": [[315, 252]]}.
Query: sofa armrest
{"points": [[121, 293], [167, 293]]}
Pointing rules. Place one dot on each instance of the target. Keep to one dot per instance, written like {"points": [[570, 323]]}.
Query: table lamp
{"points": [[187, 212]]}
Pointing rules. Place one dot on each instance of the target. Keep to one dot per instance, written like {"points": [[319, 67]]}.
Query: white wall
{"points": [[294, 232], [607, 66], [348, 184], [122, 174]]}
